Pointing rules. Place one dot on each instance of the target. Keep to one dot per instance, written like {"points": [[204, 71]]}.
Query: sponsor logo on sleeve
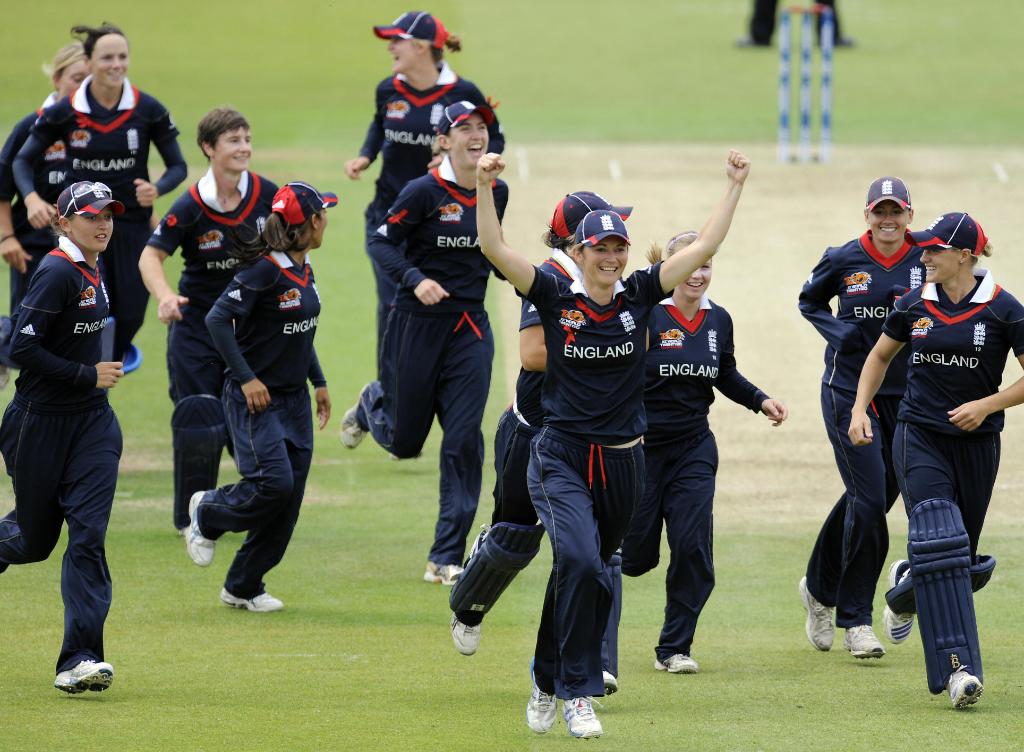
{"points": [[921, 327], [857, 283]]}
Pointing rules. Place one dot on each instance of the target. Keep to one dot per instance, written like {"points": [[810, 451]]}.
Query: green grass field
{"points": [[361, 658]]}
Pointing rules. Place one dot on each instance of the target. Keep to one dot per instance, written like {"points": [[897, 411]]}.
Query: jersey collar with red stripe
{"points": [[284, 262], [206, 187], [690, 325], [80, 102], [578, 288], [444, 174], [75, 256], [446, 80], [986, 291], [887, 262]]}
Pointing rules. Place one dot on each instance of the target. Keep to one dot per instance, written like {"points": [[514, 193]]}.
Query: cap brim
{"points": [[96, 207], [903, 204], [595, 239], [623, 211], [390, 32], [330, 199], [924, 239]]}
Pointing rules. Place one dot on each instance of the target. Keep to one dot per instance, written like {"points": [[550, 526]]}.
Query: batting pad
{"points": [[940, 565], [498, 555], [901, 598], [199, 434]]}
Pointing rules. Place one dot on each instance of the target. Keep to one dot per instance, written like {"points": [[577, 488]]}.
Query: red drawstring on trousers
{"points": [[600, 463], [467, 319]]}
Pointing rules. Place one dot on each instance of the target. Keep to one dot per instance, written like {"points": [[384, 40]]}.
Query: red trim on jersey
{"points": [[394, 219], [950, 320], [303, 280], [600, 318], [887, 262], [84, 121], [467, 319], [254, 193], [417, 100], [687, 324], [558, 268], [455, 194], [94, 278]]}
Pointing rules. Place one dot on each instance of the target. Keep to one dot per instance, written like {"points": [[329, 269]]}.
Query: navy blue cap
{"points": [[415, 24], [888, 189], [457, 113], [87, 197], [575, 206], [298, 201], [598, 225], [953, 230]]}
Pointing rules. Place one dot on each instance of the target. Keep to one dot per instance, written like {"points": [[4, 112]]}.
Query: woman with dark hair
{"points": [[263, 326], [59, 437], [24, 238], [107, 126], [407, 111], [202, 222]]}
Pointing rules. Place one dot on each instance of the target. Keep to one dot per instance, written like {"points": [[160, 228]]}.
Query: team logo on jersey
{"points": [[56, 152], [671, 338], [451, 212], [132, 134], [712, 340], [80, 138], [210, 241], [857, 283], [979, 335], [435, 113], [87, 297], [397, 110], [921, 327], [572, 318], [291, 298], [915, 277], [261, 224], [627, 321]]}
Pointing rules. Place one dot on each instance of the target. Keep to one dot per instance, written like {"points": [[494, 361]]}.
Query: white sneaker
{"points": [[579, 717], [541, 711], [465, 637], [964, 689], [677, 664], [200, 549], [611, 683], [819, 619], [443, 574], [897, 626], [862, 643], [262, 603], [352, 433], [94, 675]]}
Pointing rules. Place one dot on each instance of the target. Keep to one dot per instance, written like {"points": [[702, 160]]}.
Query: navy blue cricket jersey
{"points": [[276, 308], [594, 383], [111, 146], [436, 219], [49, 169], [957, 351], [865, 283], [57, 333], [404, 125], [196, 224], [686, 361]]}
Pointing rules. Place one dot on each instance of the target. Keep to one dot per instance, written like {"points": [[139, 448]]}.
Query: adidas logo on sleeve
{"points": [[28, 330], [235, 295]]}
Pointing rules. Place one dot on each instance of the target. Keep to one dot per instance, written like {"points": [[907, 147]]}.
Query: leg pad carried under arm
{"points": [[497, 557], [940, 566], [901, 598], [200, 433]]}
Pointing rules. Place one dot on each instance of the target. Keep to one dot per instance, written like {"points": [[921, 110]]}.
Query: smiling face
{"points": [[109, 61], [69, 78], [696, 286], [90, 232], [943, 264], [602, 264], [466, 142], [888, 222], [232, 152]]}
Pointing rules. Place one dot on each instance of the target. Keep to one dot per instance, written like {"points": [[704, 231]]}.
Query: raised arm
{"points": [[684, 262], [871, 377], [513, 266]]}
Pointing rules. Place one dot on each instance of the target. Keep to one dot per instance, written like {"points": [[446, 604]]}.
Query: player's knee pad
{"points": [[200, 432], [901, 598], [498, 555], [940, 567]]}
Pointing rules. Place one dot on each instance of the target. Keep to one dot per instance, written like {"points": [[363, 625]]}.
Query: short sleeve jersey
{"points": [[957, 351], [864, 283], [594, 383], [276, 308], [204, 236]]}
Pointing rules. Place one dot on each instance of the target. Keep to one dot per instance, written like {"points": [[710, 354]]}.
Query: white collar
{"points": [[578, 288], [445, 75], [283, 259], [446, 171], [985, 292], [207, 187], [705, 302], [72, 250], [81, 102], [565, 261], [50, 99]]}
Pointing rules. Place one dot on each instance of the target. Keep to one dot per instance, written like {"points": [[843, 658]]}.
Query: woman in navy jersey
{"points": [[107, 126], [958, 329], [407, 111], [202, 222], [864, 276], [586, 465], [25, 239], [263, 326], [690, 354], [438, 349], [60, 439]]}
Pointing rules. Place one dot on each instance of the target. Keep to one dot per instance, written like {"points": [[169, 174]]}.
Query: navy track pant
{"points": [[437, 364], [585, 495], [850, 551], [679, 491], [386, 287], [273, 452], [64, 469], [934, 465], [128, 295]]}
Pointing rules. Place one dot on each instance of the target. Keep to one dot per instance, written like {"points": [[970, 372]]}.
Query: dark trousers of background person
{"points": [[194, 367], [439, 365], [679, 490], [19, 285], [386, 287], [273, 452], [933, 465], [585, 495], [64, 468], [128, 295], [762, 23], [850, 551]]}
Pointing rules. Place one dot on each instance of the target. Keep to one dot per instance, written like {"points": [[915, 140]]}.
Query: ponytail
{"points": [[277, 235], [452, 42], [675, 243]]}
